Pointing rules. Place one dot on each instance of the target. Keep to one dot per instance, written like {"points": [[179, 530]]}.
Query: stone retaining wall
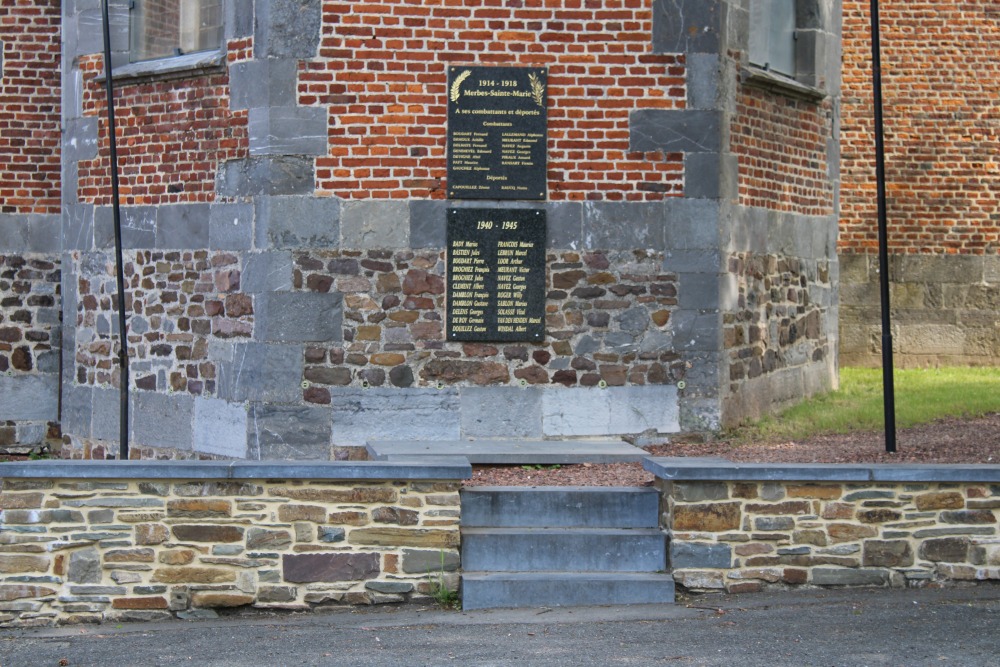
{"points": [[745, 528], [87, 542]]}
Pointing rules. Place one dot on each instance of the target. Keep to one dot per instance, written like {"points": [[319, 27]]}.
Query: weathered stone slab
{"points": [[193, 575], [416, 561], [613, 411], [220, 427], [508, 412], [333, 567], [162, 420], [695, 555], [29, 397], [386, 414], [298, 317], [289, 433], [822, 576], [405, 537], [207, 533], [709, 517]]}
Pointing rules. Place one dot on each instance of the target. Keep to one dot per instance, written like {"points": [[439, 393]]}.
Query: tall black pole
{"points": [[116, 208], [888, 388]]}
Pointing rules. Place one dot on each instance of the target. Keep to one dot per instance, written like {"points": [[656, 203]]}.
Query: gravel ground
{"points": [[945, 441]]}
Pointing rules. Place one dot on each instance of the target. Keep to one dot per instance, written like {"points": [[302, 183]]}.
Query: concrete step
{"points": [[511, 452], [564, 549], [483, 590], [560, 506]]}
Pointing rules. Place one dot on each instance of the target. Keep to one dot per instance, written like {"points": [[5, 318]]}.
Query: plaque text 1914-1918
{"points": [[496, 275], [497, 132]]}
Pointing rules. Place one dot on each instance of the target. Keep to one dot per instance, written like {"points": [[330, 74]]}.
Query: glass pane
{"points": [[772, 35], [163, 28], [782, 51]]}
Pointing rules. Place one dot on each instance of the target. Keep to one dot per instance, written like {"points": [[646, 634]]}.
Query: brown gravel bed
{"points": [[945, 441]]}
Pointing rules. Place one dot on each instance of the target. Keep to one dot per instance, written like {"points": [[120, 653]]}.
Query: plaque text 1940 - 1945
{"points": [[497, 132], [496, 275]]}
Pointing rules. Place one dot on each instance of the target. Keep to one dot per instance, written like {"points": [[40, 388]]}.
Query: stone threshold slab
{"points": [[683, 469], [406, 469], [512, 452]]}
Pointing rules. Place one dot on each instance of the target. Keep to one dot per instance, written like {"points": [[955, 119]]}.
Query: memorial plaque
{"points": [[497, 141], [496, 274]]}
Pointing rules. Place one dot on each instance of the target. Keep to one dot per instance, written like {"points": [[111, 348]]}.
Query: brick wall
{"points": [[382, 73], [29, 106], [173, 135], [940, 83], [781, 145], [940, 80]]}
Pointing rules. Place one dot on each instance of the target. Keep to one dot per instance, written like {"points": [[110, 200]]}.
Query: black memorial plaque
{"points": [[497, 139], [496, 274]]}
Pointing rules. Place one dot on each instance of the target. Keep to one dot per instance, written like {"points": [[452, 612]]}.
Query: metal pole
{"points": [[888, 388], [122, 337]]}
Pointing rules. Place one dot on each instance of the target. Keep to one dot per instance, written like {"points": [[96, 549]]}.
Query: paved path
{"points": [[827, 629]]}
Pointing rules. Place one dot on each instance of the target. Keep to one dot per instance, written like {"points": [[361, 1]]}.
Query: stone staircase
{"points": [[562, 546]]}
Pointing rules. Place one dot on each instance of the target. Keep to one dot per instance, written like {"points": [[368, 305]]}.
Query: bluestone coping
{"points": [[525, 452], [684, 469], [425, 468]]}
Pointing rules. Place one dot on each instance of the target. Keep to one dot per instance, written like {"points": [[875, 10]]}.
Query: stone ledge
{"points": [[438, 468], [682, 469]]}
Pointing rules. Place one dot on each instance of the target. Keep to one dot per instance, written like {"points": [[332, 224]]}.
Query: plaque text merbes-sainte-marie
{"points": [[496, 274], [497, 139]]}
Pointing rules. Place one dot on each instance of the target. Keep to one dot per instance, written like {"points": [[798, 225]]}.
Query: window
{"points": [[164, 28], [772, 35]]}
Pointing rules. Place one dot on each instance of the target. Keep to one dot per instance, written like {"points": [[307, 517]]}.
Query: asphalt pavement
{"points": [[860, 627]]}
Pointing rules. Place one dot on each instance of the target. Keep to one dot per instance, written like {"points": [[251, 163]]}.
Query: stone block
{"points": [[78, 227], [428, 228], [287, 29], [284, 432], [699, 291], [391, 414], [376, 224], [822, 576], [269, 271], [689, 26], [691, 223], [298, 222], [693, 492], [138, 226], [267, 176], [29, 397], [84, 567], [182, 226], [259, 372], [675, 130], [501, 412], [106, 415], [696, 555], [298, 317], [162, 420], [220, 428], [939, 500], [707, 517], [256, 84], [288, 131], [419, 561], [710, 175], [888, 553], [230, 226], [405, 537], [21, 563], [611, 411], [623, 225], [700, 579], [564, 221], [207, 533], [193, 575], [334, 567], [704, 73]]}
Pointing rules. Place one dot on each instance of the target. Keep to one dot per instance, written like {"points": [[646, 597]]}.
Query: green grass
{"points": [[922, 395]]}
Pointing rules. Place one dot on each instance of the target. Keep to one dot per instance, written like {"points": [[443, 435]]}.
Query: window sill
{"points": [[780, 84], [175, 67]]}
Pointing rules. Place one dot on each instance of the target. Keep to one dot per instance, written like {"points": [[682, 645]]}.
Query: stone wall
{"points": [[750, 527], [944, 309], [102, 543]]}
